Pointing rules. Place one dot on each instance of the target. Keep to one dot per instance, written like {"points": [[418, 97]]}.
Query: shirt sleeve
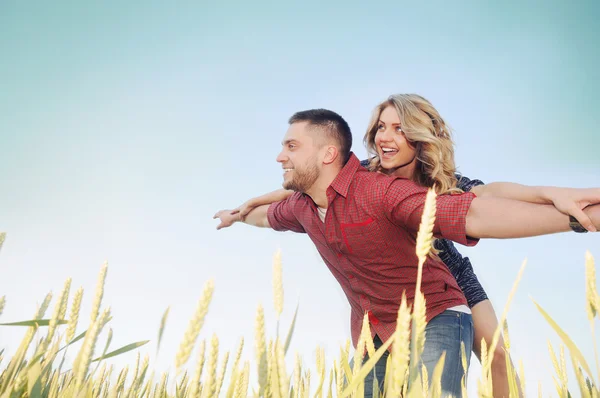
{"points": [[404, 203], [282, 216]]}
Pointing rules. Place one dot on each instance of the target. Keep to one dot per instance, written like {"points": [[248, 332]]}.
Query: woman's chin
{"points": [[388, 163]]}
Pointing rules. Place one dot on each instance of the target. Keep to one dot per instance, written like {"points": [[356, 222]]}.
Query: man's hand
{"points": [[572, 201], [227, 218]]}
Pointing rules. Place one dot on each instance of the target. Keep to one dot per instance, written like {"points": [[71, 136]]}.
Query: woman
{"points": [[408, 138]]}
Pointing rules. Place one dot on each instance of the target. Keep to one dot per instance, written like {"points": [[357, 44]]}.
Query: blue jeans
{"points": [[443, 333]]}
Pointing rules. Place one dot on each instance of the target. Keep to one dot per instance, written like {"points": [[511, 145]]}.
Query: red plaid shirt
{"points": [[368, 242]]}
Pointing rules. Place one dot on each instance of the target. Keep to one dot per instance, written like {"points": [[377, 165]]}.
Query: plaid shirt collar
{"points": [[342, 181]]}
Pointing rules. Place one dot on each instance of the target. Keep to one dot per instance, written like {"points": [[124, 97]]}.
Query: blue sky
{"points": [[125, 127]]}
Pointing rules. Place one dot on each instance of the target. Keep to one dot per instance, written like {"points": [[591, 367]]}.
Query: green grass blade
{"points": [[367, 367], [566, 339], [122, 350], [33, 323], [108, 340], [163, 323], [79, 337], [34, 380], [436, 377], [288, 339]]}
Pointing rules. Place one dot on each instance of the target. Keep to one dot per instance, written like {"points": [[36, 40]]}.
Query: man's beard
{"points": [[303, 179]]}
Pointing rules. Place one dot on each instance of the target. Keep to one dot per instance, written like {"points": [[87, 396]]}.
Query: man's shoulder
{"points": [[296, 198]]}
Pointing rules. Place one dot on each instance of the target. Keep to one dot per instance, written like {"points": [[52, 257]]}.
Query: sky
{"points": [[125, 126]]}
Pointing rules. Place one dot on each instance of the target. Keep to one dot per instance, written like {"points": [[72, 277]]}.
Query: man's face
{"points": [[299, 158]]}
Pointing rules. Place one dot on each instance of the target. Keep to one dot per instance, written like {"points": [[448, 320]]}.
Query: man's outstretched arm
{"points": [[279, 216], [257, 217], [493, 217]]}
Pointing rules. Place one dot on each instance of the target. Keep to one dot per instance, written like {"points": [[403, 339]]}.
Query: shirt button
{"points": [[373, 318]]}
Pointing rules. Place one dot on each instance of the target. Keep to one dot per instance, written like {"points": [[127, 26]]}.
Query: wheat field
{"points": [[38, 367]]}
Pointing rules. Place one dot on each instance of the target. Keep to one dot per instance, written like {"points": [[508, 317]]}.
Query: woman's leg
{"points": [[485, 323]]}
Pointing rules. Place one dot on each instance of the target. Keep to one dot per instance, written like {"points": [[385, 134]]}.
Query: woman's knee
{"points": [[499, 360]]}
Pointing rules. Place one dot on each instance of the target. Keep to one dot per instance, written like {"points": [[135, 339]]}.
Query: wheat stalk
{"points": [[297, 373], [210, 384], [425, 380], [44, 306], [419, 323], [400, 349], [164, 380], [563, 371], [359, 353], [277, 284], [592, 301], [284, 384], [238, 352], [423, 246], [235, 372], [260, 346], [522, 375], [339, 378], [195, 324], [561, 384], [59, 310], [463, 358], [272, 371], [99, 292], [245, 378], [87, 351], [320, 357], [8, 378], [368, 339], [74, 315], [425, 233], [485, 386], [330, 388], [221, 374]]}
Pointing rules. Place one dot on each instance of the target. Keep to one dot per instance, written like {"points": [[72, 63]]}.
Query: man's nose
{"points": [[281, 157]]}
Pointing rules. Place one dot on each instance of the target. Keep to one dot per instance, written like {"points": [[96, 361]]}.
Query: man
{"points": [[364, 226]]}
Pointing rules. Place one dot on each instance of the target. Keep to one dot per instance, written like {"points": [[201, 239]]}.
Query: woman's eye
{"points": [[380, 127]]}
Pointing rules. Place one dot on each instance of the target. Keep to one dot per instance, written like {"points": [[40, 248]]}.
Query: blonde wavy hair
{"points": [[426, 131]]}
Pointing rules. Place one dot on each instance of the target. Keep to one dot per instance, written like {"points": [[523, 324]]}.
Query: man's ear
{"points": [[331, 154]]}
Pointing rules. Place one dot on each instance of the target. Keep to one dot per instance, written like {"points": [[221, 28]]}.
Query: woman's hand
{"points": [[246, 208], [227, 218], [572, 201]]}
